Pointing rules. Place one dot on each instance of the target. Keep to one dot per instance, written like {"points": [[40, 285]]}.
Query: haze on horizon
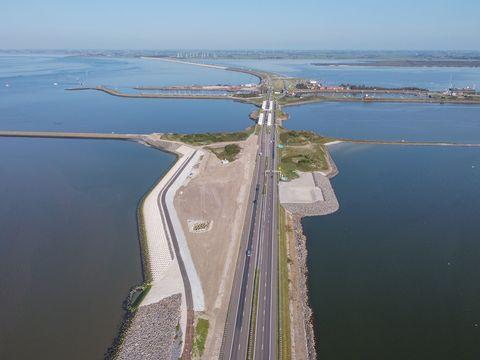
{"points": [[215, 24]]}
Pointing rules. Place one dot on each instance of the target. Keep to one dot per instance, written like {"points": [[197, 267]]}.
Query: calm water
{"points": [[403, 248], [414, 122], [18, 70], [69, 249], [33, 102], [435, 78], [394, 273]]}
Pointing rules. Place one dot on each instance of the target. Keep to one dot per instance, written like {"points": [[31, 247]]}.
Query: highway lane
{"points": [[258, 261], [266, 316], [237, 328], [252, 258]]}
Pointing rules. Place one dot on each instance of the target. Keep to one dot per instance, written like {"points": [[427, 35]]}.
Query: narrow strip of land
{"points": [[146, 137], [153, 95], [434, 100], [405, 143], [70, 135], [261, 75]]}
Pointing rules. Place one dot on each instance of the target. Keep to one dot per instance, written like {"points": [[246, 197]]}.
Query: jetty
{"points": [[118, 93], [70, 135], [405, 143]]}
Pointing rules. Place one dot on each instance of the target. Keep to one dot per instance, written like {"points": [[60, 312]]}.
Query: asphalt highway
{"points": [[267, 306], [250, 330]]}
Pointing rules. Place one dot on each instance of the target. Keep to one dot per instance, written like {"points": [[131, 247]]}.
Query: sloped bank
{"points": [[315, 197], [163, 308], [138, 292]]}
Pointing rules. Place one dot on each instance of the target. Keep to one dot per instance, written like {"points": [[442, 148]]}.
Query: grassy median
{"points": [[283, 290], [253, 319]]}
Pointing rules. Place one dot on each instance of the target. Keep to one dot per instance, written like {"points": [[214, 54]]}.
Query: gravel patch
{"points": [[301, 190], [317, 208], [154, 333]]}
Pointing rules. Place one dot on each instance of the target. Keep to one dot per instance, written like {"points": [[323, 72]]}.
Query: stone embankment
{"points": [[156, 141], [118, 93], [302, 294], [326, 204], [332, 170], [153, 332]]}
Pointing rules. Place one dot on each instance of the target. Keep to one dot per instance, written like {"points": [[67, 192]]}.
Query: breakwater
{"points": [[70, 135], [425, 100], [151, 96], [408, 143], [258, 74]]}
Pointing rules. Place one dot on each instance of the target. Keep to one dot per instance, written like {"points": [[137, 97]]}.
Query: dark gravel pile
{"points": [[153, 331]]}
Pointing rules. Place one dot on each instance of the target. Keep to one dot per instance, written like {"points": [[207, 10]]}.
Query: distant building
{"points": [[461, 91]]}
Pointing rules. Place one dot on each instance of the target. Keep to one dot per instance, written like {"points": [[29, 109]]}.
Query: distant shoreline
{"points": [[407, 63]]}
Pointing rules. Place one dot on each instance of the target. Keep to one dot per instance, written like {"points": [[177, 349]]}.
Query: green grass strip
{"points": [[283, 289], [253, 320], [200, 337]]}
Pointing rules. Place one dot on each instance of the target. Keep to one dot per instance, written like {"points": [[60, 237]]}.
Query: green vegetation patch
{"points": [[293, 137], [283, 289], [200, 337], [210, 138], [281, 115], [253, 319], [301, 151], [228, 152], [130, 305], [293, 84], [247, 95], [287, 100], [257, 101], [140, 293]]}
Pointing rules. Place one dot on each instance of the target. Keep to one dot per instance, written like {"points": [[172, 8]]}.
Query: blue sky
{"points": [[214, 24]]}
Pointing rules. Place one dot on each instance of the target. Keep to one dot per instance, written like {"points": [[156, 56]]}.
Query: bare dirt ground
{"points": [[219, 193]]}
